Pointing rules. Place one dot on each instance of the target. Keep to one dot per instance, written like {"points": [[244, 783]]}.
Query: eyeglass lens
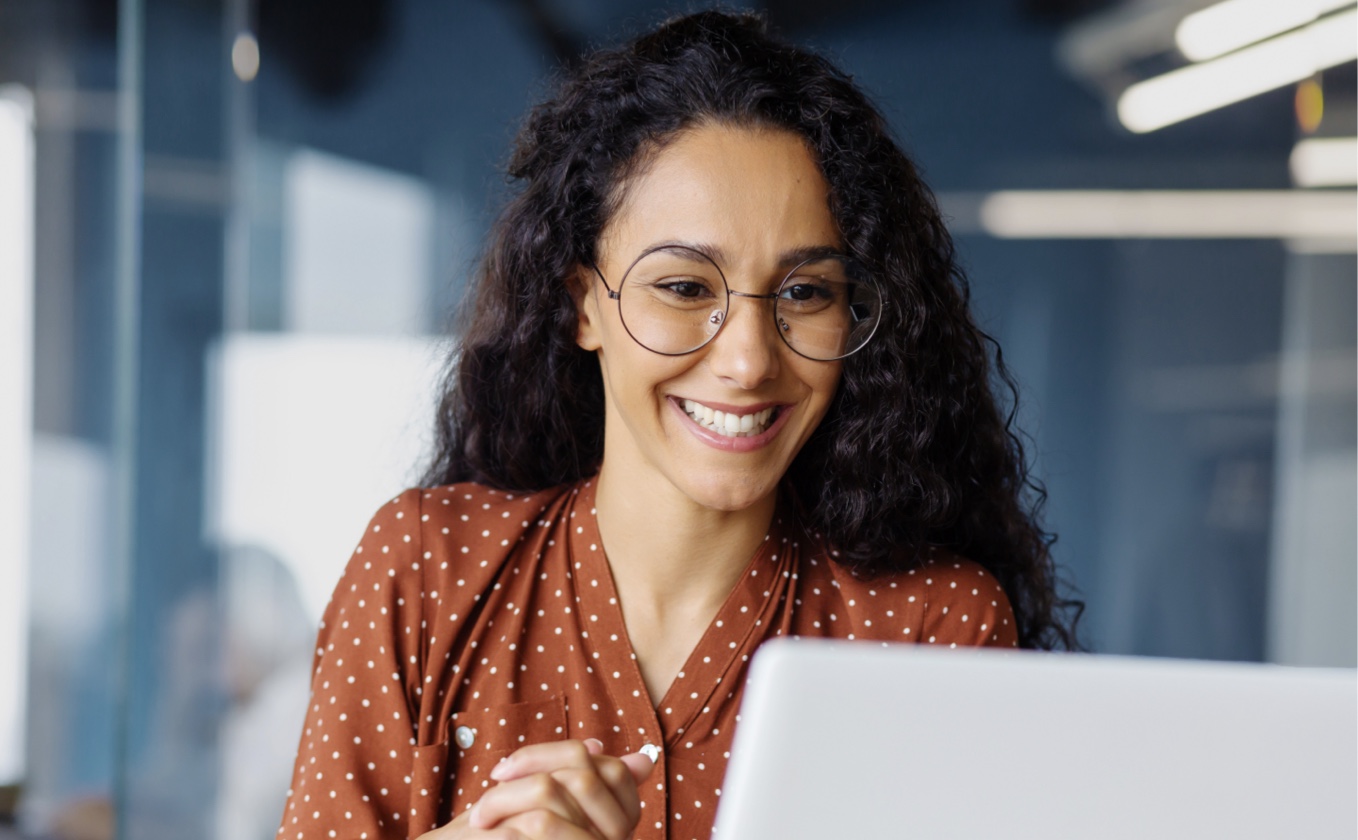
{"points": [[674, 300]]}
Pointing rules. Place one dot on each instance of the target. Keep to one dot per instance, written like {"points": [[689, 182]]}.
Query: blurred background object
{"points": [[232, 233]]}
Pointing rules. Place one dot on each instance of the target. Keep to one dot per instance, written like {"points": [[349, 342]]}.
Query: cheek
{"points": [[823, 380], [633, 375]]}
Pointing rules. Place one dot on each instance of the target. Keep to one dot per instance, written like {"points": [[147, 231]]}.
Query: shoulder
{"points": [[466, 512], [951, 579], [392, 534], [470, 531], [947, 599], [964, 604], [459, 505], [432, 546], [425, 531], [457, 522]]}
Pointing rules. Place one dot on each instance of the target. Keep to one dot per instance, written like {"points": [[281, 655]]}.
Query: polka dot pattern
{"points": [[472, 622]]}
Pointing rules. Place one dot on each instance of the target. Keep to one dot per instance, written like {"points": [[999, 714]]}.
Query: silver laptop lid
{"points": [[851, 739]]}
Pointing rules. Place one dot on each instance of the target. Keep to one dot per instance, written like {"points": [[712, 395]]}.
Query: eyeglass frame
{"points": [[617, 296]]}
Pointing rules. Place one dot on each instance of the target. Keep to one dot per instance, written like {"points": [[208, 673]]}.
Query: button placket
{"points": [[616, 667], [655, 797]]}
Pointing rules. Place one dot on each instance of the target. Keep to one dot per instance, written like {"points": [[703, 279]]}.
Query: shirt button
{"points": [[465, 737], [651, 751]]}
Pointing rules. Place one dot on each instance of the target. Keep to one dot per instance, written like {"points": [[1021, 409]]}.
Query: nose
{"points": [[745, 353]]}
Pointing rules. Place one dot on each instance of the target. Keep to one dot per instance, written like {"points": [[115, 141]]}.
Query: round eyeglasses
{"points": [[673, 300]]}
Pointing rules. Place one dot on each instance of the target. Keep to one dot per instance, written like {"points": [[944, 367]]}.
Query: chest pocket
{"points": [[479, 738]]}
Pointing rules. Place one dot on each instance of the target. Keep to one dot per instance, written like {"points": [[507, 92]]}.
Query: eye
{"points": [[688, 289], [806, 292]]}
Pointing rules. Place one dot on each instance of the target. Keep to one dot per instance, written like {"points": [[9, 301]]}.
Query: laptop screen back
{"points": [[844, 739]]}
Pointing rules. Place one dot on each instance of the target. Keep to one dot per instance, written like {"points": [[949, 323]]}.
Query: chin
{"points": [[731, 495]]}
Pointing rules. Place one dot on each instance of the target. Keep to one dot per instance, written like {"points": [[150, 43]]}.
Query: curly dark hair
{"points": [[915, 450]]}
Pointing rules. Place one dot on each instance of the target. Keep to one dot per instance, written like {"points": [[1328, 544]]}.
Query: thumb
{"points": [[640, 764]]}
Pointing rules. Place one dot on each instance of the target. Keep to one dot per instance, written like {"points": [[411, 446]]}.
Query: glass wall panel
{"points": [[59, 646]]}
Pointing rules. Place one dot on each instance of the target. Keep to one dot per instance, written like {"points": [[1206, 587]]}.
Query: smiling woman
{"points": [[718, 383]]}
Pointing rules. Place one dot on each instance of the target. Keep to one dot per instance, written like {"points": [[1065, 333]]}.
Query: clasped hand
{"points": [[562, 790]]}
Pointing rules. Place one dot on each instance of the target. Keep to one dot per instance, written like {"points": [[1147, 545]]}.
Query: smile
{"points": [[730, 424]]}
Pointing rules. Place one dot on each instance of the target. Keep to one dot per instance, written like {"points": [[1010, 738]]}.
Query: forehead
{"points": [[748, 194]]}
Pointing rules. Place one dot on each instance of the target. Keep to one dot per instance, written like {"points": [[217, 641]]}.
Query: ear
{"points": [[584, 285]]}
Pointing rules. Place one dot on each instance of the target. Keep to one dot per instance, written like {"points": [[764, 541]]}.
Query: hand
{"points": [[562, 789]]}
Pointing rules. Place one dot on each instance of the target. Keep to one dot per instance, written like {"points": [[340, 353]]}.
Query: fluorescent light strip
{"points": [[1199, 88], [1197, 214], [1325, 162], [1233, 24]]}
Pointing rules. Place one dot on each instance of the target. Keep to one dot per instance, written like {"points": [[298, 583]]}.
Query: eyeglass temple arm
{"points": [[612, 295]]}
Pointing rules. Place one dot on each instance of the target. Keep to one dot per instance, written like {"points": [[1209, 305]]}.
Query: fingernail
{"points": [[475, 817], [598, 745], [498, 771]]}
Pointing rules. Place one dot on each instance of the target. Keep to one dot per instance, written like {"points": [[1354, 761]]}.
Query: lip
{"points": [[733, 444]]}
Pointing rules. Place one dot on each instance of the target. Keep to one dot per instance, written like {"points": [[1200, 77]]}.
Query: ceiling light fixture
{"points": [[1167, 214], [1325, 162], [1199, 88], [1232, 24]]}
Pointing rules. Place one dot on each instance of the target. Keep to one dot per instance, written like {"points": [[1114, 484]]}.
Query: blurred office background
{"points": [[232, 233]]}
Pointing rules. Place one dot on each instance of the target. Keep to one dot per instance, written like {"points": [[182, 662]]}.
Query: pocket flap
{"points": [[502, 729]]}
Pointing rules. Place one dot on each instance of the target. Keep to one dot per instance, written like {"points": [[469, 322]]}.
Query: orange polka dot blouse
{"points": [[471, 622]]}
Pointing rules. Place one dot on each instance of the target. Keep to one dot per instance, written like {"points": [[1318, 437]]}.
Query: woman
{"points": [[719, 383]]}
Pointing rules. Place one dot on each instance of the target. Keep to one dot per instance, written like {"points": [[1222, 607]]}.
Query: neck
{"points": [[671, 558]]}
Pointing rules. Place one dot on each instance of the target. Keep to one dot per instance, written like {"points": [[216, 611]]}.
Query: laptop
{"points": [[857, 740]]}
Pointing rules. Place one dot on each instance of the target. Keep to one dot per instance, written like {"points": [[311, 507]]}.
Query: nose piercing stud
{"points": [[716, 317]]}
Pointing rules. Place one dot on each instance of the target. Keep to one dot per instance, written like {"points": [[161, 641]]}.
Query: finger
{"points": [[639, 764], [542, 758], [606, 794], [621, 776], [538, 792], [459, 829], [622, 780], [594, 745], [546, 825]]}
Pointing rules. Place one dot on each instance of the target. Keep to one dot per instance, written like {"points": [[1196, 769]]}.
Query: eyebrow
{"points": [[716, 254]]}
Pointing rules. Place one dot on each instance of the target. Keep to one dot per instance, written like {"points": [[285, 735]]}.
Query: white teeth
{"points": [[730, 425]]}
